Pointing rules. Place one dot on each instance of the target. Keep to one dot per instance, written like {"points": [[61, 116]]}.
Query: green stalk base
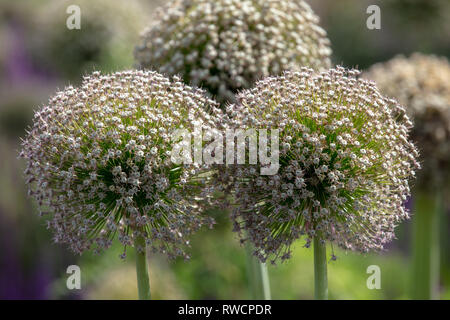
{"points": [[143, 281], [425, 245], [258, 276], [320, 270]]}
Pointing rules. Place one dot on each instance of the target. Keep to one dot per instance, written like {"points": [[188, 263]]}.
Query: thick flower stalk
{"points": [[227, 45], [99, 162], [344, 163], [422, 84]]}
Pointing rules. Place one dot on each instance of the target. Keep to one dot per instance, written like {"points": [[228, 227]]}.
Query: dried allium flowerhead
{"points": [[227, 45], [344, 163], [422, 84], [99, 157]]}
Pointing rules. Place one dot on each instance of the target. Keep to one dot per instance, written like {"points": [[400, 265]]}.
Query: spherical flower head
{"points": [[99, 162], [344, 163], [227, 45], [422, 84]]}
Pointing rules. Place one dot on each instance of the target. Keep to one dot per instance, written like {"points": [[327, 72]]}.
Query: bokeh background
{"points": [[38, 55]]}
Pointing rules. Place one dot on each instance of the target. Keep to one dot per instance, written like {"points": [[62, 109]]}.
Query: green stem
{"points": [[425, 269], [258, 276], [143, 281], [320, 270]]}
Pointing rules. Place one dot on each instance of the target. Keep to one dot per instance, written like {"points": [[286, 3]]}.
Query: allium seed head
{"points": [[344, 167], [227, 45], [99, 159], [422, 84]]}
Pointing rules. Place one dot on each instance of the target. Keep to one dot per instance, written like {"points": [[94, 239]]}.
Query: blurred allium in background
{"points": [[227, 45], [422, 84], [99, 159], [108, 30], [345, 161]]}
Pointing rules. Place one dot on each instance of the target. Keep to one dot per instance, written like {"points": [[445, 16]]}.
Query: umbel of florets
{"points": [[344, 163], [227, 45], [99, 162], [422, 84]]}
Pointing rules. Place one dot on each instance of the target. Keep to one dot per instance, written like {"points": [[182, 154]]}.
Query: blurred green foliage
{"points": [[407, 26], [218, 271], [107, 34]]}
